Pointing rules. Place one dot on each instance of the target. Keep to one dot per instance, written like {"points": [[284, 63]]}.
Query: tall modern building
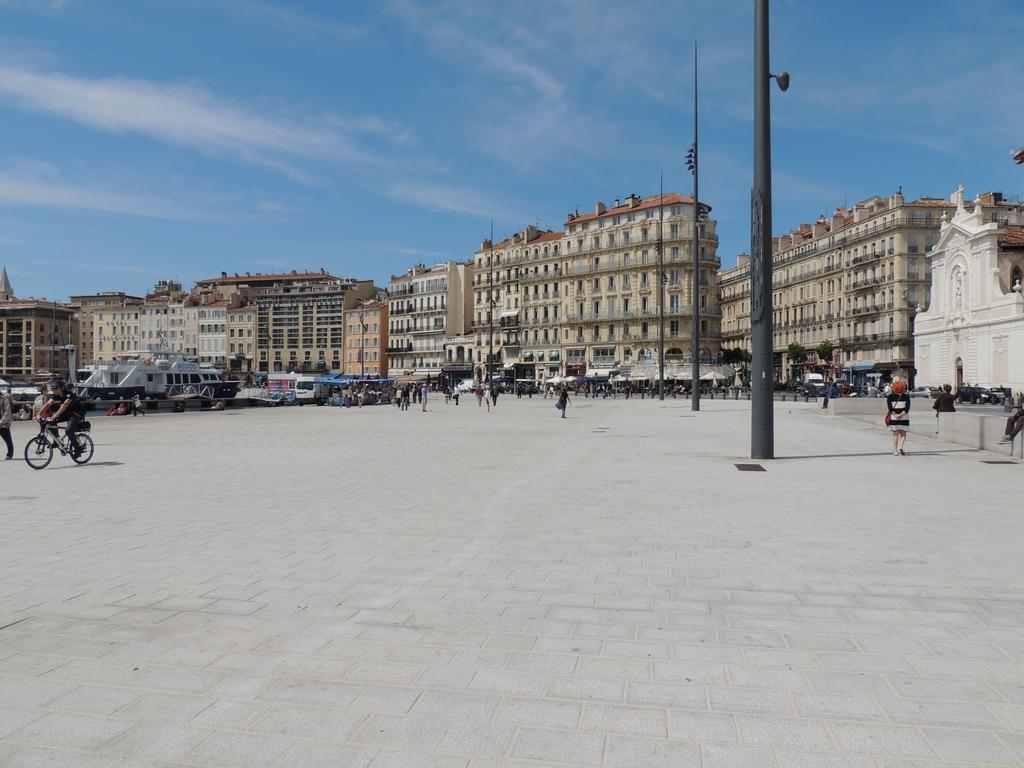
{"points": [[35, 335], [299, 317], [855, 279], [426, 304]]}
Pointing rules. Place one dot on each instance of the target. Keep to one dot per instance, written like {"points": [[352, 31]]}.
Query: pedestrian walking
{"points": [[563, 401], [897, 416], [479, 395], [40, 402], [831, 392], [6, 417], [494, 395], [944, 403], [423, 398], [137, 406], [455, 395]]}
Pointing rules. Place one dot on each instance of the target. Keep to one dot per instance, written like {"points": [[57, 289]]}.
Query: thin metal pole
{"points": [[362, 345], [695, 335], [661, 290], [490, 310], [762, 426]]}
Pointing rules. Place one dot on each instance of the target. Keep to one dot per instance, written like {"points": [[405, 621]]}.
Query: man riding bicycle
{"points": [[65, 401]]}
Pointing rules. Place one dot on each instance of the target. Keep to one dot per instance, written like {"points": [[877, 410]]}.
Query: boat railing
{"points": [[184, 391]]}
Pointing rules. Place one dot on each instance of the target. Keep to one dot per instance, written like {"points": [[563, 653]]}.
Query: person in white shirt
{"points": [[40, 402]]}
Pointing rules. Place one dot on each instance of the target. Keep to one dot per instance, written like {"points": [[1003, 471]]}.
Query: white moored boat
{"points": [[153, 376]]}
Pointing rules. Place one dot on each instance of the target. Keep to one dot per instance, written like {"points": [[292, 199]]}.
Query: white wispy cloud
{"points": [[282, 18], [190, 116], [453, 199], [41, 185]]}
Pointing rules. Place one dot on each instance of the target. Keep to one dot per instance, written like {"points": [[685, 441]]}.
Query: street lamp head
{"points": [[782, 78]]}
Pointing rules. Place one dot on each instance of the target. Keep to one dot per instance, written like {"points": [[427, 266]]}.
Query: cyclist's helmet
{"points": [[57, 385]]}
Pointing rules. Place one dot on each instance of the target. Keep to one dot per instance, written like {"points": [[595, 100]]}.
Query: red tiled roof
{"points": [[221, 303], [1013, 237], [672, 198], [546, 236]]}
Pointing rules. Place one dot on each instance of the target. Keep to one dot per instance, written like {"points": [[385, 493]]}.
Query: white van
{"points": [[303, 386], [815, 378], [466, 385]]}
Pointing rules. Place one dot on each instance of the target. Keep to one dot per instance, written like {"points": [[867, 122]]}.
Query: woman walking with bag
{"points": [[897, 416], [563, 401]]}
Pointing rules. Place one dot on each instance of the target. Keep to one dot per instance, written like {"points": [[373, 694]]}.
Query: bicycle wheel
{"points": [[85, 449], [38, 452]]}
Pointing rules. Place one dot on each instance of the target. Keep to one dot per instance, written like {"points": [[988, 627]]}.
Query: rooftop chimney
{"points": [[600, 208]]}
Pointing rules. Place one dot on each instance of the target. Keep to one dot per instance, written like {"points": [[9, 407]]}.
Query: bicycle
{"points": [[39, 450]]}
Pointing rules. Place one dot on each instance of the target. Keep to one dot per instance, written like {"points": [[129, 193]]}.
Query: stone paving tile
{"points": [[736, 756], [319, 755], [626, 752], [167, 742], [422, 627], [559, 746], [238, 750]]}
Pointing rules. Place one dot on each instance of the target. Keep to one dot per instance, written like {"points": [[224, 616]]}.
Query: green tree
{"points": [[825, 350], [797, 354]]}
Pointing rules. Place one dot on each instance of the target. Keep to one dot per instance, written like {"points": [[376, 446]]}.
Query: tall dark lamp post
{"points": [[693, 165], [661, 292], [362, 345], [490, 310], [762, 426]]}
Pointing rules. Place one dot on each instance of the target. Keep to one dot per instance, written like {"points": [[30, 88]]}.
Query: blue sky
{"points": [[177, 139]]}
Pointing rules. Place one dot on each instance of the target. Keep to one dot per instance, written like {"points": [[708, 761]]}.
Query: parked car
{"points": [[812, 390], [466, 385], [979, 395], [928, 392]]}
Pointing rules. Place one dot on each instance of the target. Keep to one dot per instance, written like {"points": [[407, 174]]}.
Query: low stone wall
{"points": [[977, 430], [864, 406], [974, 430]]}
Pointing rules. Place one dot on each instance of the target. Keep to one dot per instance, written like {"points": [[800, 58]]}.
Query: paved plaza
{"points": [[309, 587]]}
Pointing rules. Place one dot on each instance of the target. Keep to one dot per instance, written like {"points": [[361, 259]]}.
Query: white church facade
{"points": [[973, 329]]}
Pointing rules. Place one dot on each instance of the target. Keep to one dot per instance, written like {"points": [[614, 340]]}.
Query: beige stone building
{"points": [[855, 279], [241, 338], [426, 305], [366, 339], [499, 323], [109, 325], [540, 281], [609, 286], [164, 320]]}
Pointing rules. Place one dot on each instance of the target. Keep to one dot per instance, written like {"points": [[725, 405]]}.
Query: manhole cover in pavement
{"points": [[750, 468]]}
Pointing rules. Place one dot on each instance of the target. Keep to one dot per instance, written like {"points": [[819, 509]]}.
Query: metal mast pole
{"points": [[490, 309], [695, 343], [762, 422], [661, 291]]}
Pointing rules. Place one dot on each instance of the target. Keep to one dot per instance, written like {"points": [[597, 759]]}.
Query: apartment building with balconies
{"points": [[610, 285], [855, 279], [516, 304], [426, 304]]}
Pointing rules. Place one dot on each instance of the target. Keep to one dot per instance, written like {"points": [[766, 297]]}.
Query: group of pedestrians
{"points": [[412, 393]]}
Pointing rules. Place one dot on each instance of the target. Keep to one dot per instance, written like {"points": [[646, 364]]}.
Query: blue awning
{"points": [[861, 367]]}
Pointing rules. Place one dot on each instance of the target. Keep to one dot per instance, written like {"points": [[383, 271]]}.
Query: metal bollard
{"points": [[806, 400], [736, 394]]}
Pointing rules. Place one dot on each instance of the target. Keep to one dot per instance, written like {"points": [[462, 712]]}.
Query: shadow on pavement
{"points": [[875, 453]]}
